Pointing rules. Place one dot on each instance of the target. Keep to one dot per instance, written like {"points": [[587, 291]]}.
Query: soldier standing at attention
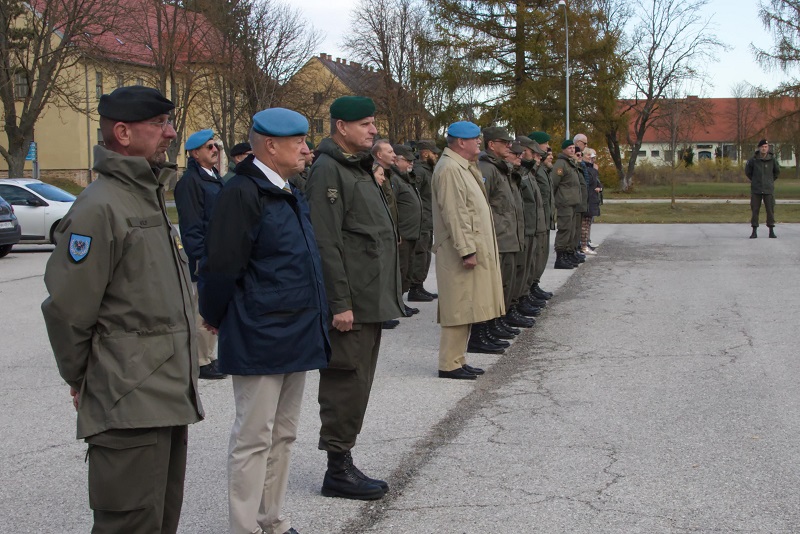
{"points": [[543, 179], [261, 287], [428, 155], [762, 170], [409, 213], [465, 244], [238, 153], [120, 318], [567, 194], [358, 245], [195, 194]]}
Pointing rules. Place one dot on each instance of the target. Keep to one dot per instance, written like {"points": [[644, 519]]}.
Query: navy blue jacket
{"points": [[195, 194], [261, 279]]}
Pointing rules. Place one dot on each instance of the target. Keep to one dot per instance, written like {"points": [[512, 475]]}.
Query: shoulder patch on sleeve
{"points": [[333, 194], [79, 247], [559, 171]]}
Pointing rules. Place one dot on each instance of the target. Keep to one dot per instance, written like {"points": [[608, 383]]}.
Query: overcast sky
{"points": [[736, 23]]}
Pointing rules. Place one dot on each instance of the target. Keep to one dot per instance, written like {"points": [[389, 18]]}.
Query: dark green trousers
{"points": [[526, 266], [577, 221], [136, 479], [508, 271], [755, 208], [345, 385], [542, 255], [421, 263], [565, 221], [406, 252]]}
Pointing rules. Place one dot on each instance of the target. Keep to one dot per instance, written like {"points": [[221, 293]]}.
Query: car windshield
{"points": [[51, 192]]}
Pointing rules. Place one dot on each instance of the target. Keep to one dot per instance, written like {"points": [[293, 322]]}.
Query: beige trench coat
{"points": [[462, 225]]}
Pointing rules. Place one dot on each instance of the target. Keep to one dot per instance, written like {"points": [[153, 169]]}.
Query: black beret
{"points": [[404, 152], [762, 142], [352, 108], [133, 104], [241, 148]]}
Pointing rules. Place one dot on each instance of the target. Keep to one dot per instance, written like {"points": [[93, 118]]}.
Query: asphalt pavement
{"points": [[657, 393]]}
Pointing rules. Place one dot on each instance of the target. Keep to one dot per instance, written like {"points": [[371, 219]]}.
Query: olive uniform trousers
{"points": [[345, 385], [565, 219], [508, 271], [421, 263], [542, 255], [577, 222], [755, 208], [406, 252], [526, 266], [136, 479]]}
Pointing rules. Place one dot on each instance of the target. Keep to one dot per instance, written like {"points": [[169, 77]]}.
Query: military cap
{"points": [[427, 145], [762, 142], [566, 143], [133, 104], [494, 133], [310, 145], [539, 136], [352, 108], [198, 139], [517, 148], [241, 148], [464, 130], [527, 142], [404, 152], [279, 122]]}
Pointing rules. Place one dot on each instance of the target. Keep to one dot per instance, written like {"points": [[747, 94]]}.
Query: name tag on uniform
{"points": [[146, 222]]}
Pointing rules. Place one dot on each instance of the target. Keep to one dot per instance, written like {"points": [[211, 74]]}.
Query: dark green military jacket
{"points": [[505, 201], [355, 235], [548, 201], [299, 180], [388, 193], [762, 173], [532, 203], [231, 172], [409, 204], [424, 173], [120, 314], [567, 178]]}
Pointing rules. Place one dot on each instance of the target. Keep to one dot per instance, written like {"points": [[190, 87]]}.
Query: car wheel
{"points": [[5, 249], [53, 231]]}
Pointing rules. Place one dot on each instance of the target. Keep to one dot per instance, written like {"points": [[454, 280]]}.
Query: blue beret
{"points": [[279, 122], [198, 139], [464, 130]]}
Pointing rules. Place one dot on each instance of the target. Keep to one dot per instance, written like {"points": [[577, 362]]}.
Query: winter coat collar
{"points": [[361, 159], [131, 171]]}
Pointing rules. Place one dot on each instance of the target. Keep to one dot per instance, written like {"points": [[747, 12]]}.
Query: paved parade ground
{"points": [[657, 393]]}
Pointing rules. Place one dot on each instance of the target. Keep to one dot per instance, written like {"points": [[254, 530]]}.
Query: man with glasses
{"points": [[195, 195], [119, 318]]}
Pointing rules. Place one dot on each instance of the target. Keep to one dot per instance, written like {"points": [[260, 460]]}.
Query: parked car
{"points": [[9, 228], [39, 207]]}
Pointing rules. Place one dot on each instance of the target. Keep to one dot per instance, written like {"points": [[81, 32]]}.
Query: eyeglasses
{"points": [[163, 124]]}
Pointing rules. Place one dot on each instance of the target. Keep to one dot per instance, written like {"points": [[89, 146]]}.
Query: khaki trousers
{"points": [[453, 347], [345, 385], [265, 428], [136, 479], [206, 341], [565, 220], [542, 255]]}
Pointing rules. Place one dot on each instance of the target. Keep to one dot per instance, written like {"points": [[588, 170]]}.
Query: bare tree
{"points": [[40, 43], [744, 116], [668, 40], [678, 118]]}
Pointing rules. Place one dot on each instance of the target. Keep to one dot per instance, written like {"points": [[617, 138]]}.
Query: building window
{"points": [[319, 98], [98, 83], [318, 126], [21, 88], [641, 154], [786, 152], [139, 81], [669, 157], [655, 153], [704, 154], [120, 80]]}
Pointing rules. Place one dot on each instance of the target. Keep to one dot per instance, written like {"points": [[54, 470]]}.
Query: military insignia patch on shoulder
{"points": [[560, 171], [333, 194], [79, 247]]}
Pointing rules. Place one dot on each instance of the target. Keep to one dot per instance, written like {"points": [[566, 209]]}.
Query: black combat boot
{"points": [[517, 320], [496, 330], [408, 311], [562, 262], [418, 294], [527, 309], [430, 294], [348, 458], [754, 235], [480, 343], [502, 323], [535, 301], [540, 293], [772, 232], [343, 479], [500, 342]]}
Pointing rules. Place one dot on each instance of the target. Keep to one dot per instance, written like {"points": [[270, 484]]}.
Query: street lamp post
{"points": [[563, 4]]}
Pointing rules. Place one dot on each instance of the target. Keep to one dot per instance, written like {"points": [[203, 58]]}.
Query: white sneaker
{"points": [[590, 252], [592, 245]]}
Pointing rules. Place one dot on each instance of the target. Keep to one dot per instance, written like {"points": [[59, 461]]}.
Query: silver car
{"points": [[39, 207]]}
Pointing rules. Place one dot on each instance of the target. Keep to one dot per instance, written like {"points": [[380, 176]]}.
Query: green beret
{"points": [[539, 137], [566, 143], [352, 108], [310, 145]]}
